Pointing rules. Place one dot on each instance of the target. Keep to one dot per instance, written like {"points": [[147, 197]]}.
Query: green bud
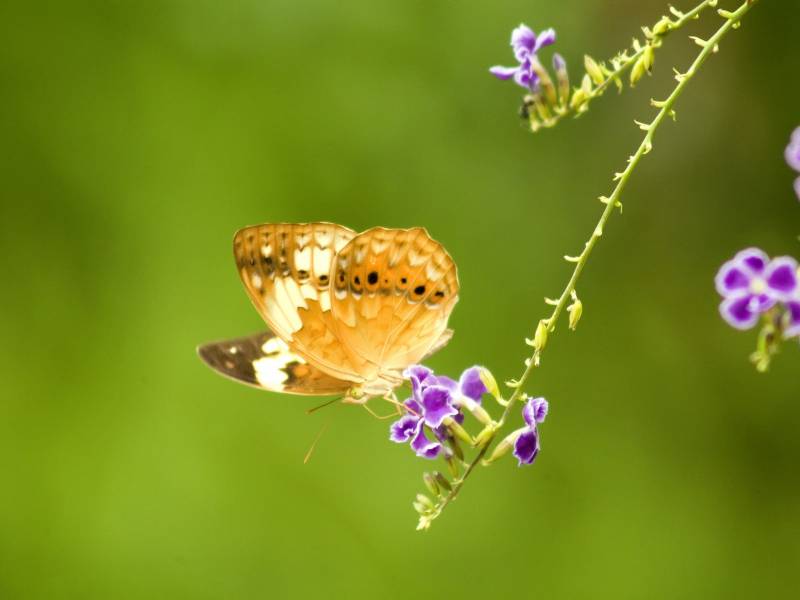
{"points": [[455, 446], [505, 446], [452, 465], [578, 100], [540, 337], [430, 483], [425, 501], [662, 27], [442, 481], [575, 311], [420, 508], [486, 435], [562, 77], [490, 382], [458, 431], [545, 82], [593, 69]]}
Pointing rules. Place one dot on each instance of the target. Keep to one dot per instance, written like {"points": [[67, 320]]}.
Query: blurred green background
{"points": [[138, 136]]}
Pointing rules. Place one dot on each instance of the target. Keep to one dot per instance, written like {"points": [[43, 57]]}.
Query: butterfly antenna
{"points": [[314, 443], [323, 405]]}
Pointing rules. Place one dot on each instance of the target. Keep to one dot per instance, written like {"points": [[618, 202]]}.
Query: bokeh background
{"points": [[138, 136]]}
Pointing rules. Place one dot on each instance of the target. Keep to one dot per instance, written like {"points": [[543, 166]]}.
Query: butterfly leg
{"points": [[396, 413]]}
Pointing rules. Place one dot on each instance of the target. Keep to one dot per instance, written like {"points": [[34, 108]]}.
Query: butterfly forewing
{"points": [[393, 291], [286, 269], [265, 361]]}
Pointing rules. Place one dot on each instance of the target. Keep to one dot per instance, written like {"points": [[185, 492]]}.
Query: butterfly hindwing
{"points": [[393, 292], [265, 361]]}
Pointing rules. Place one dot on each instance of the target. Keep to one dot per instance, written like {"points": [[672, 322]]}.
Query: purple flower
{"points": [[525, 44], [793, 157], [751, 284], [433, 400], [526, 446]]}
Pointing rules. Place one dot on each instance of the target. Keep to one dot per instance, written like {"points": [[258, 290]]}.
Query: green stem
{"points": [[665, 109], [654, 41]]}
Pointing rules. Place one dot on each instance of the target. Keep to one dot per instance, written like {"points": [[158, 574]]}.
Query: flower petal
{"points": [[753, 258], [781, 276], [545, 38], [503, 72], [423, 446], [733, 277], [413, 406], [793, 311], [797, 187], [417, 374], [793, 151], [535, 411], [523, 41], [437, 405], [471, 385], [739, 311], [526, 448], [404, 429]]}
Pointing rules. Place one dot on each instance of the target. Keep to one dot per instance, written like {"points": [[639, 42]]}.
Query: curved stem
{"points": [[613, 201]]}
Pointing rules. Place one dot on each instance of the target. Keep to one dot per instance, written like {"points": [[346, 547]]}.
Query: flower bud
{"points": [[458, 431], [485, 436], [442, 481], [490, 382], [456, 447], [578, 101], [593, 69], [540, 337], [575, 311], [505, 445], [643, 65], [662, 27], [452, 464], [546, 83], [560, 66], [430, 483], [425, 501]]}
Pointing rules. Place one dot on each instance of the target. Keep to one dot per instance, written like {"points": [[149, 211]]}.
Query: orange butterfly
{"points": [[348, 312]]}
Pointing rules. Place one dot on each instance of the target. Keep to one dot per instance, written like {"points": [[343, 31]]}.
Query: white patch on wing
{"points": [[256, 280], [266, 250], [269, 371], [325, 300], [302, 259], [322, 261], [309, 291], [293, 290], [432, 272], [274, 345], [415, 259], [281, 308]]}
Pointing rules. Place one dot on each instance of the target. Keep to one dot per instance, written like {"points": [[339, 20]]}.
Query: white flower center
{"points": [[758, 286]]}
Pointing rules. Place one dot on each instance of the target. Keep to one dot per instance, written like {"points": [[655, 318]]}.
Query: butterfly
{"points": [[347, 312]]}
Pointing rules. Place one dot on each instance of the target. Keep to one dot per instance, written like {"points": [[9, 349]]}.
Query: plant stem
{"points": [[613, 201], [628, 61]]}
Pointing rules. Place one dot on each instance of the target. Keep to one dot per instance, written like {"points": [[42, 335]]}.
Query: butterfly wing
{"points": [[393, 292], [265, 361], [285, 269]]}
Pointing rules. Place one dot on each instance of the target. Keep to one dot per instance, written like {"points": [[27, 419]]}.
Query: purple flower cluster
{"points": [[793, 158], [752, 284], [526, 44], [526, 446], [433, 400]]}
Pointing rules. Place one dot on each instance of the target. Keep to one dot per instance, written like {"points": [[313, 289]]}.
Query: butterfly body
{"points": [[347, 312]]}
